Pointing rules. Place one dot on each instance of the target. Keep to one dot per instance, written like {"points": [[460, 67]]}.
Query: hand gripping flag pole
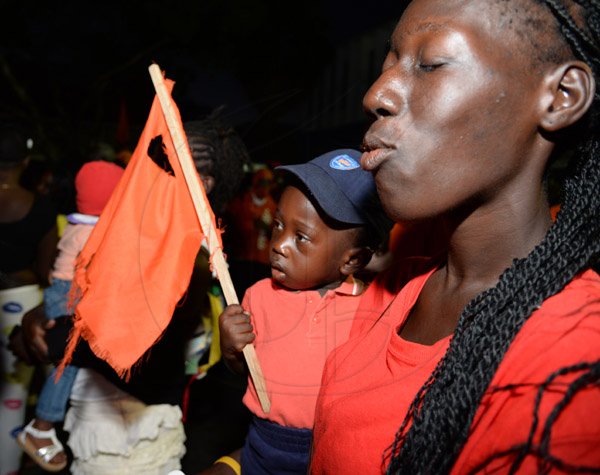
{"points": [[208, 226]]}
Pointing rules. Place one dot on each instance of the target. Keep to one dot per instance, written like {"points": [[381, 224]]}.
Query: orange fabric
{"points": [[137, 263]]}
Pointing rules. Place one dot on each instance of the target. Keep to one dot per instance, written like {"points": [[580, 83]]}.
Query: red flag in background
{"points": [[138, 260]]}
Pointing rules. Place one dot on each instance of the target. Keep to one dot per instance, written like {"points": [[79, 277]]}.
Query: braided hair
{"points": [[218, 151], [438, 421]]}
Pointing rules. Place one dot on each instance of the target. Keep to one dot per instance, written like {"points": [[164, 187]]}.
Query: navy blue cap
{"points": [[343, 190]]}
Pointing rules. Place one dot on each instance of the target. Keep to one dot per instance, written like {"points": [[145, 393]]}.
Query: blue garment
{"points": [[56, 297], [271, 448], [52, 403]]}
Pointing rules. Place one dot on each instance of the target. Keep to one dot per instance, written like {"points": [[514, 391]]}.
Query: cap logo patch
{"points": [[343, 162]]}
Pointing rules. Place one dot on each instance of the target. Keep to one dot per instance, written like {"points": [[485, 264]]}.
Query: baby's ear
{"points": [[569, 92], [355, 259]]}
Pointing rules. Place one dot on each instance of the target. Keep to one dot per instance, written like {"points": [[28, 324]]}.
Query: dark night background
{"points": [[69, 70]]}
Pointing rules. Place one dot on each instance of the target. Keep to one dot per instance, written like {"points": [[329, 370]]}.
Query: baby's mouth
{"points": [[277, 267], [277, 271]]}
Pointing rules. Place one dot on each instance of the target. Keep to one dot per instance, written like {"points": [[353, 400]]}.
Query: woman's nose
{"points": [[384, 97]]}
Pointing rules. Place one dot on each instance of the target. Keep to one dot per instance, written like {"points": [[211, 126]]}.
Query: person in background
{"points": [[252, 216], [485, 359], [28, 240], [326, 227], [27, 221], [103, 404], [94, 184], [249, 220]]}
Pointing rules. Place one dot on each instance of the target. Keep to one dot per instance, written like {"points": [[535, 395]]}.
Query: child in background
{"points": [[248, 221], [327, 223], [94, 184]]}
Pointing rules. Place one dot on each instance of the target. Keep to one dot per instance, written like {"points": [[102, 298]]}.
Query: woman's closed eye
{"points": [[429, 67]]}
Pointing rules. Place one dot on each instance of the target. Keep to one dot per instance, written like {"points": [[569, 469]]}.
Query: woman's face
{"points": [[455, 110]]}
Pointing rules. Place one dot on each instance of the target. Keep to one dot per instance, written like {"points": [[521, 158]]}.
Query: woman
{"points": [[486, 359], [28, 239]]}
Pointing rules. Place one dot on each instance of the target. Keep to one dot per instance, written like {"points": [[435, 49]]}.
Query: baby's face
{"points": [[305, 252]]}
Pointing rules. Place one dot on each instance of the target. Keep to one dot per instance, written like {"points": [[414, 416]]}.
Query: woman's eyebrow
{"points": [[425, 27]]}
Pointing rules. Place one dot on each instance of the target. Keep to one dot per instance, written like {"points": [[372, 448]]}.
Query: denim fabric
{"points": [[52, 403], [56, 297], [274, 449]]}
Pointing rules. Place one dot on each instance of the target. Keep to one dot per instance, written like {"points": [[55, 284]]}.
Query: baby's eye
{"points": [[301, 238], [277, 224]]}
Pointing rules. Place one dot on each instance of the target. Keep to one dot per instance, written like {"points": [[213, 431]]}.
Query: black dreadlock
{"points": [[438, 421], [219, 151]]}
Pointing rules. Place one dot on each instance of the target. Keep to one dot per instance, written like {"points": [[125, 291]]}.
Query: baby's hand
{"points": [[235, 332]]}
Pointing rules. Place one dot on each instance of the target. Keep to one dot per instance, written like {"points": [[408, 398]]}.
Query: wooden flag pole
{"points": [[201, 205]]}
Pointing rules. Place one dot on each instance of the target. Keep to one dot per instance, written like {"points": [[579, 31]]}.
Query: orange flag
{"points": [[138, 260]]}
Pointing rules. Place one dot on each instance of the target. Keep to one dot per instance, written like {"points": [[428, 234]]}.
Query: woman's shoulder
{"points": [[34, 223], [386, 286], [565, 329], [391, 281], [587, 282], [581, 297]]}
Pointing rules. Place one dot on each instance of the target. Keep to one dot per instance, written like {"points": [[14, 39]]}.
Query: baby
{"points": [[327, 224], [94, 183]]}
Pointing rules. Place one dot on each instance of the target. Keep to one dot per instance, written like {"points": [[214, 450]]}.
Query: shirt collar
{"points": [[351, 286]]}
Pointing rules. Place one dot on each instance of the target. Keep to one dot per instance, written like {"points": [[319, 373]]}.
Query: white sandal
{"points": [[42, 456]]}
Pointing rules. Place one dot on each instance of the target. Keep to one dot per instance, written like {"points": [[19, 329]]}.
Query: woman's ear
{"points": [[570, 92], [355, 259]]}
